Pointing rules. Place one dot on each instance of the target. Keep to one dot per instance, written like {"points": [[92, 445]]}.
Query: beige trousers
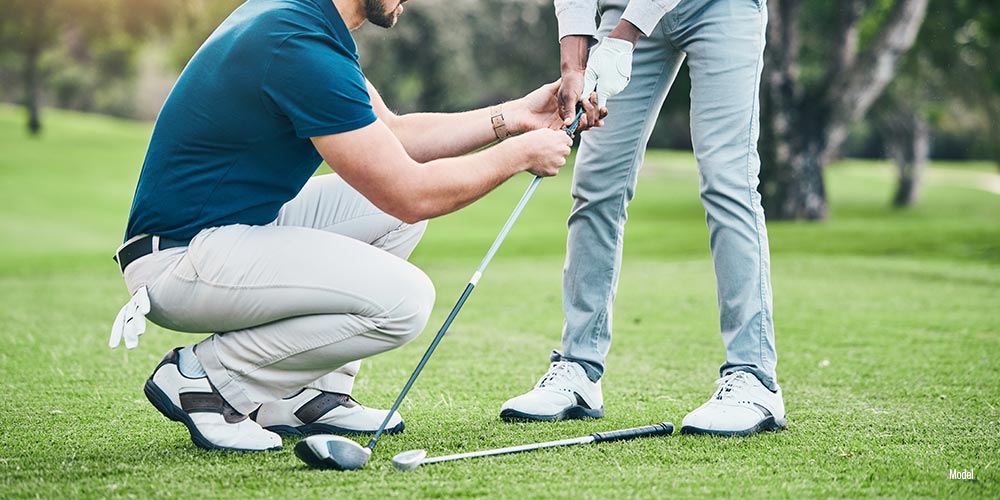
{"points": [[296, 303]]}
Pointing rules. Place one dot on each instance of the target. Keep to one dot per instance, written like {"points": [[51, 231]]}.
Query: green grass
{"points": [[888, 332]]}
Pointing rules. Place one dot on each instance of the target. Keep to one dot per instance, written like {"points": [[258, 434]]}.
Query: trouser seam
{"points": [[378, 242], [381, 315], [619, 228], [315, 345], [760, 248], [238, 378], [352, 219], [280, 223], [285, 355]]}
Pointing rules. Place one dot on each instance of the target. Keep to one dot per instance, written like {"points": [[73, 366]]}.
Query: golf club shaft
{"points": [[468, 290], [509, 450], [600, 437], [458, 306]]}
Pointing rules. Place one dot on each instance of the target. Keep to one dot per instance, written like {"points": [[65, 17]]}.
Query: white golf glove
{"points": [[131, 320], [608, 69]]}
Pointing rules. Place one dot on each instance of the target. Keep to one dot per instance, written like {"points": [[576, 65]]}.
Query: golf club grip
{"points": [[571, 129], [663, 429]]}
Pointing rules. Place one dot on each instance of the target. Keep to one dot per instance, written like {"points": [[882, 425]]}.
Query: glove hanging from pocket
{"points": [[131, 320]]}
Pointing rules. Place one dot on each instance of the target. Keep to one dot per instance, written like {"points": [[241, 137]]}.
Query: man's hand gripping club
{"points": [[593, 80]]}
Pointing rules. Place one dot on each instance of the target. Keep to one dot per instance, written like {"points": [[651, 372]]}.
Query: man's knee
{"points": [[409, 316]]}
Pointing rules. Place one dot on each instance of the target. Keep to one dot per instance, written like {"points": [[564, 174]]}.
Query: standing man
{"points": [[298, 276], [723, 41]]}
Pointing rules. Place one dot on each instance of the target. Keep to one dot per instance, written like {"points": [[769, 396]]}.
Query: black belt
{"points": [[143, 247]]}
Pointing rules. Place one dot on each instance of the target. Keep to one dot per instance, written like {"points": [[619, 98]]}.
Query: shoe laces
{"points": [[730, 385], [560, 371]]}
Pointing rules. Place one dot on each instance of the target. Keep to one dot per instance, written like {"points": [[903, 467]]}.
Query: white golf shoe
{"points": [[564, 393], [311, 411], [740, 407], [212, 422]]}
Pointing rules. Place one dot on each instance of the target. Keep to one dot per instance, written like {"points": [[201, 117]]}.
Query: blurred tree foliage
{"points": [[450, 55], [945, 101], [953, 75], [192, 21], [457, 54], [826, 64], [81, 51]]}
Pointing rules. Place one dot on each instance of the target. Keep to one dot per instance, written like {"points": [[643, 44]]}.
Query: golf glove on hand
{"points": [[608, 70], [131, 320]]}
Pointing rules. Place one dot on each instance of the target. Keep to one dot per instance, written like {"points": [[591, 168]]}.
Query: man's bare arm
{"points": [[373, 161], [429, 136]]}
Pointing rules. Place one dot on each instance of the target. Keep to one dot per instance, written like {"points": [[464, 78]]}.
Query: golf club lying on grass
{"points": [[409, 460], [335, 452]]}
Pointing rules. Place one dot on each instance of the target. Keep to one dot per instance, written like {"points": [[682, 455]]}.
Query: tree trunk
{"points": [[791, 178], [38, 31], [850, 93], [906, 135], [31, 90], [909, 146], [802, 129], [791, 174], [799, 193]]}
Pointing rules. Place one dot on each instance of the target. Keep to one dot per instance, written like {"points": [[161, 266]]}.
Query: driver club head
{"points": [[409, 460], [326, 451]]}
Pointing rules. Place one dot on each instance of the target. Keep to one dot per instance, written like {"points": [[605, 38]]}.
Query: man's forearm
{"points": [[374, 162], [573, 51], [429, 136], [469, 178], [627, 31]]}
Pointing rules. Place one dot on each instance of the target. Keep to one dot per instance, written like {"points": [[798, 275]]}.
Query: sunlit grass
{"points": [[888, 335]]}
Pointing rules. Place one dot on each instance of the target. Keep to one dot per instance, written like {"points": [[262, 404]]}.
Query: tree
{"points": [[817, 83], [962, 43], [946, 86], [906, 134], [32, 28], [28, 30]]}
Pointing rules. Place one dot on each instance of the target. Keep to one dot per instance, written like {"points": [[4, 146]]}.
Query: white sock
{"points": [[189, 365]]}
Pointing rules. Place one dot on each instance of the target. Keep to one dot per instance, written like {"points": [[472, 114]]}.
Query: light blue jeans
{"points": [[723, 41]]}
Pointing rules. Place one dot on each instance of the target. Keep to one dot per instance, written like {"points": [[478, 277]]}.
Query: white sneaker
{"points": [[564, 393], [212, 422], [740, 407], [311, 411]]}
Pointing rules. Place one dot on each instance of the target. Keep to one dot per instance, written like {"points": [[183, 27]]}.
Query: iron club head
{"points": [[325, 451], [409, 460]]}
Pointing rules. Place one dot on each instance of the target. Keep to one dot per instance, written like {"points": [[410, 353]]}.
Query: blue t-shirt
{"points": [[231, 144]]}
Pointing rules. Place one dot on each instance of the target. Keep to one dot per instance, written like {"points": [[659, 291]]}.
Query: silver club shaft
{"points": [[510, 450]]}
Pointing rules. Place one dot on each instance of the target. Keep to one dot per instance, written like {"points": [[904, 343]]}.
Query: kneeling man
{"points": [[299, 277]]}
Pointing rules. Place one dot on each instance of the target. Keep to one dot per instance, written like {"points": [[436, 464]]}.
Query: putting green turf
{"points": [[888, 334]]}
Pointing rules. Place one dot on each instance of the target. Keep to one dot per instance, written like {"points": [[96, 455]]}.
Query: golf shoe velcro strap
{"points": [[209, 402], [321, 405]]}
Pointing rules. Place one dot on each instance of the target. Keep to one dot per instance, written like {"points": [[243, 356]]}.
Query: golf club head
{"points": [[409, 460], [326, 451]]}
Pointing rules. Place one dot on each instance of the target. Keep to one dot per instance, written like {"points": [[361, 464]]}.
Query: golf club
{"points": [[335, 452], [409, 460]]}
